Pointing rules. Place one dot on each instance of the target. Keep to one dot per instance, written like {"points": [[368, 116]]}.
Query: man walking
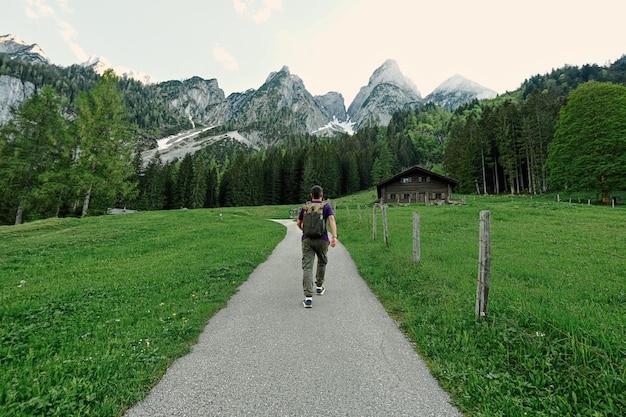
{"points": [[315, 241]]}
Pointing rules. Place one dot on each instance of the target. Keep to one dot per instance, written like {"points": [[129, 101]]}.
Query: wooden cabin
{"points": [[416, 185]]}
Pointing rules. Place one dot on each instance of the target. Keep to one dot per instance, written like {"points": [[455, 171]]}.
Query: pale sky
{"points": [[332, 45]]}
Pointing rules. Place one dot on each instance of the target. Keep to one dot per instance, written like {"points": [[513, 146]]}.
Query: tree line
{"points": [[285, 172], [527, 144], [62, 157], [502, 148], [147, 108]]}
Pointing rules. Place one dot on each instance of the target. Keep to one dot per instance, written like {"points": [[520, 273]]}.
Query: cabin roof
{"points": [[416, 169]]}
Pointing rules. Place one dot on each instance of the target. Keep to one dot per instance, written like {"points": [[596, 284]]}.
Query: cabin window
{"points": [[423, 179], [406, 180], [392, 197], [406, 196]]}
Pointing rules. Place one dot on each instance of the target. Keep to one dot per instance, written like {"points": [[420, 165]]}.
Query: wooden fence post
{"points": [[358, 208], [484, 265], [367, 215], [348, 211], [385, 230], [374, 222], [416, 237]]}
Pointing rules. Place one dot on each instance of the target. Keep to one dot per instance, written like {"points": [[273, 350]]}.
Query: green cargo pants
{"points": [[310, 249]]}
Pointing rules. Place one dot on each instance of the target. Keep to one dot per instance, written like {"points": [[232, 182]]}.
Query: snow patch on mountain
{"points": [[190, 141], [165, 143], [335, 126]]}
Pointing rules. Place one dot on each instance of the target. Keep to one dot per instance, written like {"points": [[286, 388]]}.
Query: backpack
{"points": [[313, 224]]}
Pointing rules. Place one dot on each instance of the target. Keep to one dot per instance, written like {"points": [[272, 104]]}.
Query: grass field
{"points": [[93, 310], [554, 341]]}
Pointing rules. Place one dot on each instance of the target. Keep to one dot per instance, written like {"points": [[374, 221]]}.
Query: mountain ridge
{"points": [[19, 49], [280, 107]]}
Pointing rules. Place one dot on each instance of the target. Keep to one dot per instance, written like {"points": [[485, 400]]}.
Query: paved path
{"points": [[266, 355]]}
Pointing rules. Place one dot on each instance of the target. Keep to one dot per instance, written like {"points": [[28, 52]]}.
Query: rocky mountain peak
{"points": [[333, 105], [16, 48], [284, 99], [284, 72], [389, 72], [387, 91], [457, 90]]}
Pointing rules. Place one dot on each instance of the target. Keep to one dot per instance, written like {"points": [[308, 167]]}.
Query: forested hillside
{"points": [[146, 107], [60, 157], [501, 145]]}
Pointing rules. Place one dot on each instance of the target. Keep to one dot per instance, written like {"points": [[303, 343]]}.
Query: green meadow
{"points": [[92, 311], [554, 340]]}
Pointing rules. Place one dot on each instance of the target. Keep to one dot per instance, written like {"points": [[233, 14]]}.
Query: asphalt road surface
{"points": [[264, 354]]}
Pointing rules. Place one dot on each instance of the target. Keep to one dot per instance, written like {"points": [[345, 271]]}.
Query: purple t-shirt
{"points": [[327, 211]]}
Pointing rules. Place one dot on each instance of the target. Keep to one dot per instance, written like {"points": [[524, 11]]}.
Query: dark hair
{"points": [[316, 191]]}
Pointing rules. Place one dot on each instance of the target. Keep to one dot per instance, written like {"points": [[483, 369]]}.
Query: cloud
{"points": [[222, 56], [37, 9], [41, 9], [257, 10]]}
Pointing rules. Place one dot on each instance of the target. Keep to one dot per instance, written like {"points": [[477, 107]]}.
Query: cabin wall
{"points": [[416, 188]]}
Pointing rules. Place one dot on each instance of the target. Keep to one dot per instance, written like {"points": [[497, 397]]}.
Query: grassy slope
{"points": [[553, 343], [92, 311]]}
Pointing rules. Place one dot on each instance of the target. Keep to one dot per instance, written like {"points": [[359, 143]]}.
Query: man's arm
{"points": [[333, 230]]}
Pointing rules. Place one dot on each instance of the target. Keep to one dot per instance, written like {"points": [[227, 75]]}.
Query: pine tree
{"points": [[212, 185], [34, 156], [198, 183], [104, 144], [384, 165], [351, 180], [152, 184], [272, 173], [184, 183], [540, 113]]}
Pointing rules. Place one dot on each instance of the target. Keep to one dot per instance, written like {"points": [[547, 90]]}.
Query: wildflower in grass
{"points": [[22, 282], [173, 314], [539, 334]]}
